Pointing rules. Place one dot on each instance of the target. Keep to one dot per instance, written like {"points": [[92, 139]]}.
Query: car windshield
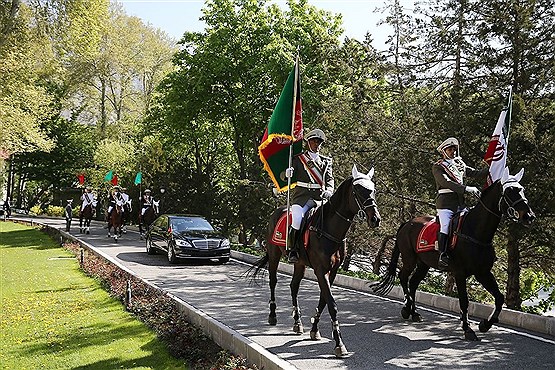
{"points": [[182, 224]]}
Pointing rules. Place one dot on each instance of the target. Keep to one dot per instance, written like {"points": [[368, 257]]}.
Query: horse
{"points": [[473, 253], [324, 248], [86, 215], [115, 220], [148, 218]]}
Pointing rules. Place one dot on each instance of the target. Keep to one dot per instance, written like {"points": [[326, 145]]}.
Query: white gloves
{"points": [[473, 190], [326, 194], [289, 172]]}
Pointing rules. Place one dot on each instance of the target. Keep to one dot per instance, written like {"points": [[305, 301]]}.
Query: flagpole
{"points": [[510, 110], [291, 147]]}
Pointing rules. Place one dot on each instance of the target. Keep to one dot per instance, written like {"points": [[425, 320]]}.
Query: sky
{"points": [[177, 16]]}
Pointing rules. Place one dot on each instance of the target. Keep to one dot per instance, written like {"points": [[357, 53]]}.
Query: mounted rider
{"points": [[449, 173], [314, 183], [87, 198], [127, 207], [146, 201], [114, 197]]}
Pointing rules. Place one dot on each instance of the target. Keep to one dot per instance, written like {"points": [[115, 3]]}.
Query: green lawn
{"points": [[55, 317]]}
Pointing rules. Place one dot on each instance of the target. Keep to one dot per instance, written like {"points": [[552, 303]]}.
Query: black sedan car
{"points": [[186, 236]]}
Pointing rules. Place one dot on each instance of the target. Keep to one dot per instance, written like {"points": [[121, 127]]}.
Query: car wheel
{"points": [[149, 248], [171, 254], [224, 260]]}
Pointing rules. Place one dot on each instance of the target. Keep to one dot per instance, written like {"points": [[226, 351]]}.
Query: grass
{"points": [[55, 317]]}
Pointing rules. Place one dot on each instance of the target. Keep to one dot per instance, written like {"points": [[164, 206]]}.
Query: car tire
{"points": [[224, 260], [149, 248], [171, 254]]}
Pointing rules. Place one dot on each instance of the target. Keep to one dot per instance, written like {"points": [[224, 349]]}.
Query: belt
{"points": [[445, 191], [308, 185]]}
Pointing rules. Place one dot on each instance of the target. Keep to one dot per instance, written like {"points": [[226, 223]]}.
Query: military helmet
{"points": [[147, 191], [315, 134], [447, 143], [117, 187]]}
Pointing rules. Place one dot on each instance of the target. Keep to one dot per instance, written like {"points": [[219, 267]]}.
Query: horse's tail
{"points": [[386, 282], [252, 274]]}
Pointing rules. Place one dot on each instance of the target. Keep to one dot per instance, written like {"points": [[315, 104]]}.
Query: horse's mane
{"points": [[347, 182]]}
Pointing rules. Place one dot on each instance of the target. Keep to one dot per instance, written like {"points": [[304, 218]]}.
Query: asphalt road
{"points": [[373, 331]]}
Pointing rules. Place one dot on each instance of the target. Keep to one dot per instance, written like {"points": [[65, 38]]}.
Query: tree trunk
{"points": [[513, 299]]}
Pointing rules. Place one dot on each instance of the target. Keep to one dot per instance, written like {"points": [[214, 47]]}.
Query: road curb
{"points": [[527, 321], [221, 334]]}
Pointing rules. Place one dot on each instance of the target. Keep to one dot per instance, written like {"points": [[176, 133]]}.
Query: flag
{"points": [[81, 178], [496, 155], [109, 176], [138, 178], [285, 126], [114, 180]]}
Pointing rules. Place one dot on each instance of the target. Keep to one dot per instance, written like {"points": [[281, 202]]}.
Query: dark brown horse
{"points": [[148, 218], [85, 218], [324, 251], [115, 220], [473, 253]]}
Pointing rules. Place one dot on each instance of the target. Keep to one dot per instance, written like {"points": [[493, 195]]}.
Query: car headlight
{"points": [[181, 243], [224, 243]]}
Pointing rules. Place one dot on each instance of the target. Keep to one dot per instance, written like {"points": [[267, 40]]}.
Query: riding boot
{"points": [[443, 241], [293, 255]]}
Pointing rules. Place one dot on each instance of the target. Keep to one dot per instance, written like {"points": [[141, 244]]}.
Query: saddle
{"points": [[427, 238], [279, 234]]}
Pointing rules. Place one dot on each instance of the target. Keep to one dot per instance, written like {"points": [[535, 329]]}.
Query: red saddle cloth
{"points": [[279, 234], [427, 237]]}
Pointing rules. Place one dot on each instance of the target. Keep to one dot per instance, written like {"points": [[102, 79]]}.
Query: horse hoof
{"points": [[315, 335], [416, 317], [88, 232], [272, 320], [484, 326], [471, 336], [405, 312], [341, 351], [298, 329]]}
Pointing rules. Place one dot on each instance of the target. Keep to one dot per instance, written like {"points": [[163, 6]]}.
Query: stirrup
{"points": [[293, 257], [443, 262]]}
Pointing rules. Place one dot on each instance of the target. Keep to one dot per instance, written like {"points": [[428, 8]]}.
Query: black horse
{"points": [[473, 253], [148, 218], [85, 217], [325, 249]]}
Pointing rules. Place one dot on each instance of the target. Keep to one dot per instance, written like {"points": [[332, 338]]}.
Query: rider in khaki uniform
{"points": [[449, 173], [315, 182]]}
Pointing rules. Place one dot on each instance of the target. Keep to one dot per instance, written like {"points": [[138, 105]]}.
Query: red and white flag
{"points": [[496, 155]]}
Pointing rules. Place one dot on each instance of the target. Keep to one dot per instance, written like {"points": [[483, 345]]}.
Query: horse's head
{"points": [[364, 196], [513, 202]]}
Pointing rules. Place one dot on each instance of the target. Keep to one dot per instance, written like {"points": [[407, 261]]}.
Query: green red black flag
{"points": [[284, 129]]}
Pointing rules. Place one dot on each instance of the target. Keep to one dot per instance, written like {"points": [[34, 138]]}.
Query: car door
{"points": [[159, 228]]}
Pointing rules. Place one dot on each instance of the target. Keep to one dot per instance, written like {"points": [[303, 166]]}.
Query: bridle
{"points": [[510, 212], [362, 206]]}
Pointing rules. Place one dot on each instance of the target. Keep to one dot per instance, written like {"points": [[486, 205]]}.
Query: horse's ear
{"points": [[371, 172], [355, 171], [505, 175], [519, 175]]}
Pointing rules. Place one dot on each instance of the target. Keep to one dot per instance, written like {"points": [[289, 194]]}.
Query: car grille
{"points": [[206, 243]]}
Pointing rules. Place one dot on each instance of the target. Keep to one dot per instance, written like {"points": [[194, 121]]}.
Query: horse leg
{"points": [[416, 278], [325, 289], [80, 222], [469, 334], [490, 284], [298, 274], [404, 276], [314, 332], [272, 271]]}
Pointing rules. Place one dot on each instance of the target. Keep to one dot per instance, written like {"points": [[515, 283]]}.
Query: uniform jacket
{"points": [[449, 175], [299, 194], [146, 201]]}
